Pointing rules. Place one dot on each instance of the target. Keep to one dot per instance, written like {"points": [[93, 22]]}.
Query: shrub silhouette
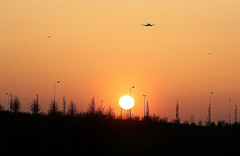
{"points": [[200, 123], [162, 120], [192, 122], [221, 123]]}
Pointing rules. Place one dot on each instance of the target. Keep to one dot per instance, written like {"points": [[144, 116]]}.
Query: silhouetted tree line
{"points": [[98, 113]]}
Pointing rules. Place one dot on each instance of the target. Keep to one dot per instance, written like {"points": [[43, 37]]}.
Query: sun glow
{"points": [[126, 102]]}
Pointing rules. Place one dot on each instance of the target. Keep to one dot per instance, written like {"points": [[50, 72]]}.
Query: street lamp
{"points": [[8, 99], [101, 105], [144, 105], [229, 115], [55, 90], [209, 109], [130, 95], [131, 89]]}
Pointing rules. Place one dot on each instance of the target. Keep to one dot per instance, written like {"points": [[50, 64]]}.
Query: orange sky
{"points": [[100, 48]]}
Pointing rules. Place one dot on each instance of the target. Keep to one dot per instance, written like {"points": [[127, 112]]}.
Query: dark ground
{"points": [[24, 134]]}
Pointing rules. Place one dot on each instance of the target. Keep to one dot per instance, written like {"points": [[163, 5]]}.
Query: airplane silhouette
{"points": [[148, 24]]}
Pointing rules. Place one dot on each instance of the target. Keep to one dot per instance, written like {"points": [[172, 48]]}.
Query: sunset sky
{"points": [[98, 47]]}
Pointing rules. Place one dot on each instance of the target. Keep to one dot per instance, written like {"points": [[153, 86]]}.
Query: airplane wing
{"points": [[143, 24]]}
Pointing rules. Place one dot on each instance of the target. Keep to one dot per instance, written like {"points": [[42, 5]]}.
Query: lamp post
{"points": [[229, 115], [209, 110], [55, 90], [130, 95], [101, 105], [131, 90], [8, 99], [144, 105]]}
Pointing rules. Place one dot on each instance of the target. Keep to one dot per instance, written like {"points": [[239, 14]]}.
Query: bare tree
{"points": [[64, 105], [16, 105], [53, 109], [221, 123], [35, 107], [92, 106], [110, 113], [186, 122], [163, 120], [72, 109]]}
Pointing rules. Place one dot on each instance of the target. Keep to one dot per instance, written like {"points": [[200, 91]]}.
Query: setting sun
{"points": [[126, 102]]}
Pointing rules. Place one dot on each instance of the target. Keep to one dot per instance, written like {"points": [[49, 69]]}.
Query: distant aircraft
{"points": [[148, 24]]}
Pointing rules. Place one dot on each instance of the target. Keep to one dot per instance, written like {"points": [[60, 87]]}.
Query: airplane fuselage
{"points": [[148, 25]]}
